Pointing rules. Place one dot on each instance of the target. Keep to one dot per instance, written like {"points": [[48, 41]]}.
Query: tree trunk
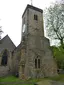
{"points": [[61, 42]]}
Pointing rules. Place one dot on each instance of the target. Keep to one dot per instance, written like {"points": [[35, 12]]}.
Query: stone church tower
{"points": [[36, 56]]}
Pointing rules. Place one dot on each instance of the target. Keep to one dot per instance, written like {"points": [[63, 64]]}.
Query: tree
{"points": [[54, 22], [58, 53]]}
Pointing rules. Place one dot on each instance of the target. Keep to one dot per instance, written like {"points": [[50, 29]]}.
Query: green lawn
{"points": [[15, 79], [9, 79]]}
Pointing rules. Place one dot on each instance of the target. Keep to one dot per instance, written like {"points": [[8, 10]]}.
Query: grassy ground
{"points": [[12, 80], [9, 79], [44, 81], [15, 79]]}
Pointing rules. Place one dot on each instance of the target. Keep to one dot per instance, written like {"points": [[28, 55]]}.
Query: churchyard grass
{"points": [[9, 79], [13, 79]]}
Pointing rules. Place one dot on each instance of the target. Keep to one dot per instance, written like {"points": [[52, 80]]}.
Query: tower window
{"points": [[35, 17], [37, 63]]}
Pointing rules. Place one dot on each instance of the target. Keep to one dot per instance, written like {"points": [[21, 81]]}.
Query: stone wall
{"points": [[4, 71], [49, 64], [16, 59], [6, 44]]}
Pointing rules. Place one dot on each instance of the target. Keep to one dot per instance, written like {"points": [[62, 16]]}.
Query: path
{"points": [[49, 82]]}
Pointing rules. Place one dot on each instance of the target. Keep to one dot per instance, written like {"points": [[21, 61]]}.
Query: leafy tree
{"points": [[54, 22], [58, 53]]}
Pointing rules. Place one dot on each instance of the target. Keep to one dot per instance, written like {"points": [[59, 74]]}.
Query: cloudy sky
{"points": [[11, 16]]}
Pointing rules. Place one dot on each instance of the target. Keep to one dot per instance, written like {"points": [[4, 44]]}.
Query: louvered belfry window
{"points": [[35, 17]]}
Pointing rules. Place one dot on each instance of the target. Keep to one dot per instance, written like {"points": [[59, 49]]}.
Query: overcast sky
{"points": [[11, 16]]}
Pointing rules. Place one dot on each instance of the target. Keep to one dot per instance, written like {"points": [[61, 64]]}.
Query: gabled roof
{"points": [[6, 43], [18, 48]]}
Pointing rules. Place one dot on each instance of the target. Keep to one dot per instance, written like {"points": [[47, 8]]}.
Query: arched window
{"points": [[37, 62], [4, 58]]}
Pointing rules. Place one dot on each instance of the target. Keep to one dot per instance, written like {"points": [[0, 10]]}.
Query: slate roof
{"points": [[6, 43], [18, 48]]}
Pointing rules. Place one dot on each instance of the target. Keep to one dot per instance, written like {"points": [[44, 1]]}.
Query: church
{"points": [[32, 58]]}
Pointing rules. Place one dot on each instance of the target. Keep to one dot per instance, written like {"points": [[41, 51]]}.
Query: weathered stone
{"points": [[8, 46], [33, 57], [36, 46]]}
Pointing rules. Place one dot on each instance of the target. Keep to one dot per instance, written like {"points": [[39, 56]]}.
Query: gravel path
{"points": [[49, 82], [56, 83]]}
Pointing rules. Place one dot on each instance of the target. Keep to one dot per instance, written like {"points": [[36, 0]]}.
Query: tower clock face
{"points": [[24, 28]]}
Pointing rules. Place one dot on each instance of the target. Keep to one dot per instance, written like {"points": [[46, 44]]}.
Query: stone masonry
{"points": [[36, 57], [32, 58]]}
